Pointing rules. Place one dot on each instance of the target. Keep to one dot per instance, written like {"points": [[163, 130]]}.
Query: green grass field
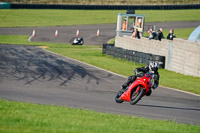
{"points": [[170, 15], [25, 18], [93, 55], [18, 117]]}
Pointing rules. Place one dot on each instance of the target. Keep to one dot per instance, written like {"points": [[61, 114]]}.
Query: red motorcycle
{"points": [[136, 90]]}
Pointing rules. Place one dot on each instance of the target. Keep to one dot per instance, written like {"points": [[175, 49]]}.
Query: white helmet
{"points": [[153, 66]]}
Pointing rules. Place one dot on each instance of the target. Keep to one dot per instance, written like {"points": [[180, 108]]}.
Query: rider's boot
{"points": [[123, 87], [131, 79]]}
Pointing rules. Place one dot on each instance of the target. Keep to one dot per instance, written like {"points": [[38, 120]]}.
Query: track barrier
{"points": [[104, 7], [134, 56], [4, 5]]}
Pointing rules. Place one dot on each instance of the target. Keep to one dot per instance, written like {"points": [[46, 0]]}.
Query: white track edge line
{"points": [[29, 39]]}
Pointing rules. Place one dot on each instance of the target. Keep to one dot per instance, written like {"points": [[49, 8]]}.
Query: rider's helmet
{"points": [[153, 66]]}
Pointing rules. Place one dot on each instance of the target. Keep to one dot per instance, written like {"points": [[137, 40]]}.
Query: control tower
{"points": [[127, 22]]}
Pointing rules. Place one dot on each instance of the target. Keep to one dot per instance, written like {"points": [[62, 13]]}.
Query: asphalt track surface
{"points": [[66, 34], [31, 74]]}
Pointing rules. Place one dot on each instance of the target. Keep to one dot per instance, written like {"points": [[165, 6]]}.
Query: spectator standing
{"points": [[171, 35], [134, 33], [160, 34], [150, 34], [124, 25], [137, 34]]}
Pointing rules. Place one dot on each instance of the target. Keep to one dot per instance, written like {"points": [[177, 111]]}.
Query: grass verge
{"points": [[31, 17], [27, 117], [93, 55]]}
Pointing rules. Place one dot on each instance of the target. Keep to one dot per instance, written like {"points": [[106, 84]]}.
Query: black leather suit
{"points": [[144, 70]]}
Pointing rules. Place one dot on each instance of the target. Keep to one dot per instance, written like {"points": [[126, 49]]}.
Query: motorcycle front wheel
{"points": [[136, 96], [117, 98]]}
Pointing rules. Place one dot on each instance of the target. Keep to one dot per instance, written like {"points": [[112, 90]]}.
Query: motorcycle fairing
{"points": [[139, 83]]}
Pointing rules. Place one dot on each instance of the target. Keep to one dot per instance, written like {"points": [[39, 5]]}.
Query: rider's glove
{"points": [[136, 72]]}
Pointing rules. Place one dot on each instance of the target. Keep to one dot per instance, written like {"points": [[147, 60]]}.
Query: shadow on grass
{"points": [[29, 64]]}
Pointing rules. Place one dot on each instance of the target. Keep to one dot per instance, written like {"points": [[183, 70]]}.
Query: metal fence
{"points": [[105, 7], [134, 56]]}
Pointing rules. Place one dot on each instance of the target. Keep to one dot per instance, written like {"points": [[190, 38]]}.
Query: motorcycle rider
{"points": [[152, 68]]}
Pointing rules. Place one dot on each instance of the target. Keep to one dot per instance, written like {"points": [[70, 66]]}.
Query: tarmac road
{"points": [[31, 74], [66, 34]]}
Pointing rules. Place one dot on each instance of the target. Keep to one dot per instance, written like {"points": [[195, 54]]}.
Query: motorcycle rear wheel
{"points": [[117, 98], [136, 96]]}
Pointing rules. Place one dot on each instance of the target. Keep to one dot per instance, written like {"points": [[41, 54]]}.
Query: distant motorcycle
{"points": [[136, 90], [78, 41]]}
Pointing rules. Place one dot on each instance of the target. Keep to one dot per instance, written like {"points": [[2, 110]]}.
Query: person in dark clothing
{"points": [[151, 68], [138, 34], [154, 35], [171, 35], [160, 34]]}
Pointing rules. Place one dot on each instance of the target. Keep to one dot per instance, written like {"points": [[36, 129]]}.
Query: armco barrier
{"points": [[105, 7], [134, 56]]}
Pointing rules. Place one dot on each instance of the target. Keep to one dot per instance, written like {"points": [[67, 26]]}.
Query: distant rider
{"points": [[152, 69]]}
